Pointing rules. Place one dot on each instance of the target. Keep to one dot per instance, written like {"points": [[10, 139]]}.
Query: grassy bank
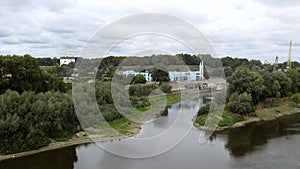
{"points": [[285, 106]]}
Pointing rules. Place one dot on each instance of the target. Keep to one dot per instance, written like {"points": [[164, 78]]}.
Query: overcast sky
{"points": [[256, 29]]}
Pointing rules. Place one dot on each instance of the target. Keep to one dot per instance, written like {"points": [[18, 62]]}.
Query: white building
{"points": [[189, 75], [145, 74], [67, 58], [173, 75]]}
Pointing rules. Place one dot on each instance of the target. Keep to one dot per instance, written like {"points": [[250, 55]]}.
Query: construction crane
{"points": [[289, 62]]}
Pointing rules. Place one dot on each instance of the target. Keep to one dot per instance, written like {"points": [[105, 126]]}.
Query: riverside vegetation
{"points": [[256, 90], [36, 106]]}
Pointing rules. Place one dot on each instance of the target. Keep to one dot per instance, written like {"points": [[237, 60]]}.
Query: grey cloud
{"points": [[9, 41], [3, 34], [279, 3], [25, 5]]}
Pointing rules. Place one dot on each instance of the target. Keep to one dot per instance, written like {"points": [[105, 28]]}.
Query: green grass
{"points": [[201, 119], [228, 119], [271, 112], [143, 109], [122, 125], [48, 69], [173, 97]]}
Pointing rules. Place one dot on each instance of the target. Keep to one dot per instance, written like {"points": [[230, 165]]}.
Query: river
{"points": [[272, 144]]}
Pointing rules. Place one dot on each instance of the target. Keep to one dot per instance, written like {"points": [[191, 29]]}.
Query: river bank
{"points": [[261, 115], [54, 145], [82, 138], [128, 128]]}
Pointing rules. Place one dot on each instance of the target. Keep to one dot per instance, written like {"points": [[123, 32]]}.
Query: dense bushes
{"points": [[296, 98], [228, 119], [145, 90], [271, 102], [28, 120], [204, 109], [141, 90], [240, 103], [21, 73], [260, 86], [139, 79]]}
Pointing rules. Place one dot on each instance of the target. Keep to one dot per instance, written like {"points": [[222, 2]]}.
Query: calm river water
{"points": [[274, 144]]}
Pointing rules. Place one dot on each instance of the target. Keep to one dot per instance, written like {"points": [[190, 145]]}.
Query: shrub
{"points": [[165, 87], [296, 98], [204, 109], [271, 102], [201, 119], [139, 79], [240, 104]]}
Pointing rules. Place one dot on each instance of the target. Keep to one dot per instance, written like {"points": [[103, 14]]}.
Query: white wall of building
{"points": [[66, 61], [145, 74], [189, 75], [174, 75]]}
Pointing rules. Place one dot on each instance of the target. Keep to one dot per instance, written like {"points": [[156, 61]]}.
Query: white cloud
{"points": [[242, 28]]}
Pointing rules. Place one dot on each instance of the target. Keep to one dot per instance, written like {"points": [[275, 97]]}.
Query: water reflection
{"points": [[248, 139], [56, 159]]}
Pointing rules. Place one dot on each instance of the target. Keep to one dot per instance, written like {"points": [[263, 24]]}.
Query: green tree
{"points": [[165, 87], [204, 109], [22, 73], [159, 75], [294, 75], [244, 80], [276, 89], [240, 103], [139, 79], [284, 81]]}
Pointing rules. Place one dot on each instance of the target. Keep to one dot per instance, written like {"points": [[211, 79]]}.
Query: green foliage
{"points": [[201, 119], [165, 87], [28, 121], [107, 67], [229, 119], [228, 71], [240, 103], [204, 109], [296, 98], [141, 90], [47, 61], [294, 75], [21, 73], [284, 81], [109, 112], [139, 79], [244, 80], [159, 75], [189, 59], [276, 89], [271, 102]]}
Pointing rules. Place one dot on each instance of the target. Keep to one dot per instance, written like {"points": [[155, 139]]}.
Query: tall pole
{"points": [[275, 64], [289, 63]]}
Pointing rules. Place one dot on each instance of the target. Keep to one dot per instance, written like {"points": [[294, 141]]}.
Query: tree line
{"points": [[22, 73], [29, 121], [248, 87]]}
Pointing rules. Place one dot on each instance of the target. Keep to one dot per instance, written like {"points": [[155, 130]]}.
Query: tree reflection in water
{"points": [[247, 139], [63, 158]]}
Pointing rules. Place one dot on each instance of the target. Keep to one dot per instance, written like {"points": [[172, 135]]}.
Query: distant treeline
{"points": [[22, 73]]}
